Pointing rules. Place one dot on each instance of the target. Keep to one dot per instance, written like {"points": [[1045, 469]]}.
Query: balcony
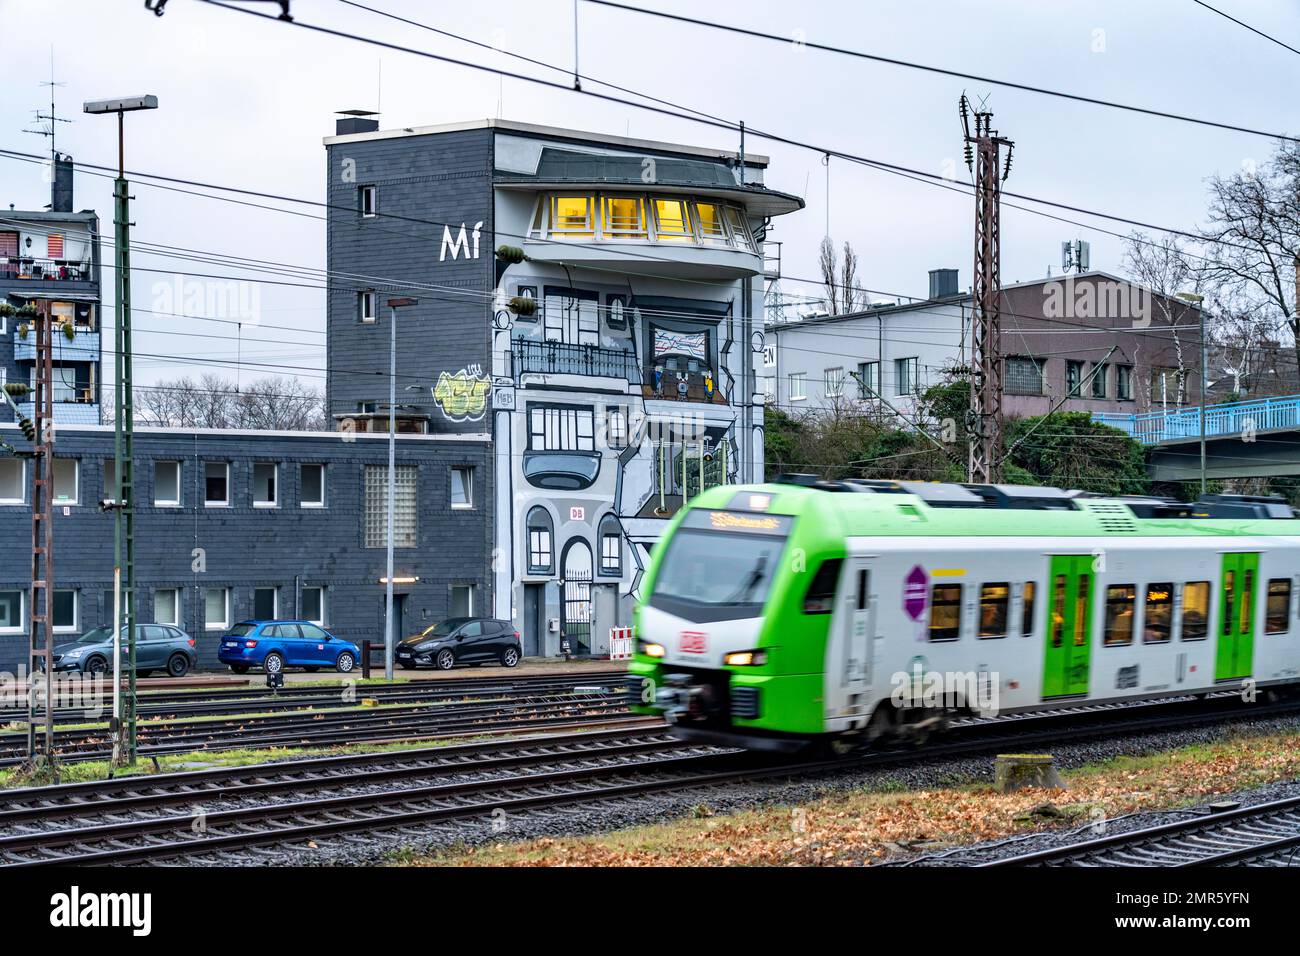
{"points": [[74, 410], [562, 358], [672, 385], [44, 270], [84, 347]]}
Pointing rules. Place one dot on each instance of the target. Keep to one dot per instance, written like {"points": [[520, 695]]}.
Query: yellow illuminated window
{"points": [[1158, 614], [712, 228], [1196, 610], [1278, 608], [571, 215], [994, 600], [1120, 599], [624, 216], [672, 220]]}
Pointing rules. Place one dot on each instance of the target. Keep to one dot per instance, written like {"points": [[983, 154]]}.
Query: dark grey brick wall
{"points": [[423, 183], [246, 547]]}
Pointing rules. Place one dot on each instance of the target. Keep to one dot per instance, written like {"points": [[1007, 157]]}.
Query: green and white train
{"points": [[780, 614]]}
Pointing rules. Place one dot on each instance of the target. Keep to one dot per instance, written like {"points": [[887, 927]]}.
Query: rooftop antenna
{"points": [[48, 120]]}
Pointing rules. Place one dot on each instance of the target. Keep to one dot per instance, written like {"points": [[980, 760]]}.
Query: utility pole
{"points": [[40, 747], [984, 157], [123, 439]]}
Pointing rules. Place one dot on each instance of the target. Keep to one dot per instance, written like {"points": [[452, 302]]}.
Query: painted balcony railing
{"points": [[560, 358], [1229, 418]]}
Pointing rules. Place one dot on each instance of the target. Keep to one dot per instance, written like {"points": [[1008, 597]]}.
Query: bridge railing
{"points": [[1229, 418]]}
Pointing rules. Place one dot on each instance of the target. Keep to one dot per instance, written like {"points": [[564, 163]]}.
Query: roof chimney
{"points": [[61, 184], [943, 283], [355, 121]]}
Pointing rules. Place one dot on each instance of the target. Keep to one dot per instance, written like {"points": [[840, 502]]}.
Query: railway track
{"points": [[1265, 834], [218, 812]]}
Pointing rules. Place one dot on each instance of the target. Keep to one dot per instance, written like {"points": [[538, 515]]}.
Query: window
{"points": [[65, 610], [313, 605], [1099, 374], [616, 426], [905, 375], [1124, 382], [1024, 376], [571, 318], [462, 488], [1158, 615], [311, 486], [994, 599], [166, 484], [369, 200], [868, 380], [216, 608], [797, 384], [1277, 611], [744, 239], [264, 604], [462, 600], [712, 227], [1058, 609], [367, 306], [216, 484], [561, 428], [404, 506], [264, 485], [616, 312], [1166, 386], [167, 606], [1196, 610], [540, 541], [1229, 598], [1073, 377], [820, 598], [945, 612], [11, 612], [110, 480], [67, 473], [1121, 599], [672, 220], [625, 217], [571, 215], [1027, 595], [834, 382], [611, 546], [1247, 601], [13, 479]]}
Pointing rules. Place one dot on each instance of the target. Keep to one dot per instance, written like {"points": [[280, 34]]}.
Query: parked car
{"points": [[461, 640], [158, 647], [275, 645]]}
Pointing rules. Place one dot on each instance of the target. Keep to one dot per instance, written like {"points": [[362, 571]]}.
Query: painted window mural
{"points": [[682, 368]]}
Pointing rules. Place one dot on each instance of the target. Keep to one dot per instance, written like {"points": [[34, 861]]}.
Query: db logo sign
{"points": [[577, 514], [693, 642]]}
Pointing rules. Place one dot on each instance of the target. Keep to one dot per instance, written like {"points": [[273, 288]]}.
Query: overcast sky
{"points": [[245, 102]]}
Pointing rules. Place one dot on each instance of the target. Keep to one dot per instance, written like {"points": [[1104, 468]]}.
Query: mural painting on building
{"points": [[462, 396]]}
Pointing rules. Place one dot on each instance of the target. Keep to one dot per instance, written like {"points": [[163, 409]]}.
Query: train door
{"points": [[1069, 626], [857, 639], [1238, 589]]}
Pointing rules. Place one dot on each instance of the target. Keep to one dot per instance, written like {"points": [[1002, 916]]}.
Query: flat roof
{"points": [[557, 132]]}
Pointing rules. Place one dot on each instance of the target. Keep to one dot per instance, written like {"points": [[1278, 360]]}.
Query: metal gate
{"points": [[575, 621]]}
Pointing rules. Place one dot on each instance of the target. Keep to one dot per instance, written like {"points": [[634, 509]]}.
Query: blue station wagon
{"points": [[275, 645]]}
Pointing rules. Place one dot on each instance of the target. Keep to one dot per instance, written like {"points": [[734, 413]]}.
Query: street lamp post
{"points": [[123, 430], [389, 638]]}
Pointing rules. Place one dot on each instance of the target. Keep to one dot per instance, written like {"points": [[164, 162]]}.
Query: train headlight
{"points": [[745, 659], [652, 650]]}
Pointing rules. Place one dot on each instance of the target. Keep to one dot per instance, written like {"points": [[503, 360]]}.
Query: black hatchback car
{"points": [[461, 640]]}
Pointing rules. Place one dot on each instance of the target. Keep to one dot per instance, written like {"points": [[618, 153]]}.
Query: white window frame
{"points": [[623, 232], [561, 428], [738, 223], [914, 374], [274, 501], [19, 627], [304, 502], [368, 307], [798, 386], [76, 612], [468, 472], [167, 502], [176, 606], [214, 503], [22, 482], [319, 622], [834, 383], [110, 480], [370, 192], [76, 482], [585, 231], [275, 602], [469, 604], [224, 623], [690, 233]]}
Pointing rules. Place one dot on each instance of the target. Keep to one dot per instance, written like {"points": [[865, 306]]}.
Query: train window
{"points": [[1081, 611], [945, 612], [1058, 609], [1121, 599], [820, 598], [1196, 610], [1247, 595], [1277, 614], [1027, 609], [1158, 616], [863, 580], [1229, 592], [993, 609]]}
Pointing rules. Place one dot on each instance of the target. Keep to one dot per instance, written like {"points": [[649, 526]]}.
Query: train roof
{"points": [[885, 507]]}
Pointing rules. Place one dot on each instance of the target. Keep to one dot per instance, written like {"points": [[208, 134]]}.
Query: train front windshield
{"points": [[706, 566]]}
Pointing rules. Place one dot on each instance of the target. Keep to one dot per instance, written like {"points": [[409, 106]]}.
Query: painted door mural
{"points": [[1069, 626], [1238, 590]]}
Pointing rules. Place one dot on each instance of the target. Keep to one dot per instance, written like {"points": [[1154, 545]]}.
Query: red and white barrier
{"points": [[620, 643]]}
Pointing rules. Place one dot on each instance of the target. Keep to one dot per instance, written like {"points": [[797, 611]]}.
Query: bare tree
{"points": [[1166, 267], [844, 292], [278, 404]]}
